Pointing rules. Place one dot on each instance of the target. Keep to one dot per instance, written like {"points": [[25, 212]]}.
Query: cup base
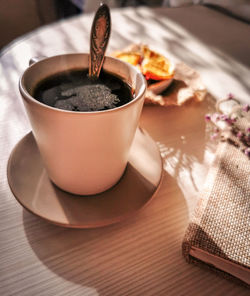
{"points": [[90, 192]]}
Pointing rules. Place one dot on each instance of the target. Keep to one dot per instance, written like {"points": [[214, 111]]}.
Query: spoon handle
{"points": [[99, 37]]}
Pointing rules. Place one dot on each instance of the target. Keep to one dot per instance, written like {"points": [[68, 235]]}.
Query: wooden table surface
{"points": [[141, 255]]}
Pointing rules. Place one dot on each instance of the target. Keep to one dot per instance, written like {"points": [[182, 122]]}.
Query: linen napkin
{"points": [[218, 235]]}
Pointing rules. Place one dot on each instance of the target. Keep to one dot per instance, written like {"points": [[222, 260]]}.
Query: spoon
{"points": [[99, 37]]}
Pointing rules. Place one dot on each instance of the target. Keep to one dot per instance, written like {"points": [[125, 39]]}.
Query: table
{"points": [[141, 255]]}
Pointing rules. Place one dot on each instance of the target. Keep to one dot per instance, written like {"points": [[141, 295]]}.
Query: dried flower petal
{"points": [[246, 108], [224, 117], [247, 152], [247, 139], [229, 121], [240, 135], [215, 117], [220, 128], [207, 117], [214, 136], [234, 119]]}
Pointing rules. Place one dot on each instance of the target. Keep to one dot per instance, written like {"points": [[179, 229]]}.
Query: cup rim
{"points": [[30, 98]]}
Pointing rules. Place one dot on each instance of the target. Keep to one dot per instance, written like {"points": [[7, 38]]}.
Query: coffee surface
{"points": [[74, 91]]}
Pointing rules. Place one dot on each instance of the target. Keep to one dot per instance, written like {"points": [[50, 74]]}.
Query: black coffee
{"points": [[74, 91]]}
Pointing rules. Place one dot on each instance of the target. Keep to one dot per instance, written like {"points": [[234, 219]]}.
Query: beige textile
{"points": [[220, 225]]}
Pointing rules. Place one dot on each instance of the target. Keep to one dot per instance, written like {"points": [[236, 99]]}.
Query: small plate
{"points": [[158, 87], [32, 188]]}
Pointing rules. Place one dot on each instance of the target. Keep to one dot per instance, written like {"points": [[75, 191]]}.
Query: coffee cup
{"points": [[83, 153]]}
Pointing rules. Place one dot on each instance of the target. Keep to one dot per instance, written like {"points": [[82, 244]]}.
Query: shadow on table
{"points": [[143, 250], [184, 140], [142, 254]]}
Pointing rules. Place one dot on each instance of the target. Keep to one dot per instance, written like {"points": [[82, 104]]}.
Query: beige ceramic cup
{"points": [[83, 152]]}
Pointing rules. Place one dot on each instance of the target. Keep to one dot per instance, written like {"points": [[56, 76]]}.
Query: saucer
{"points": [[33, 189]]}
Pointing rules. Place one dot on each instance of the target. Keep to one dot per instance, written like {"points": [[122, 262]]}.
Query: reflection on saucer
{"points": [[31, 186]]}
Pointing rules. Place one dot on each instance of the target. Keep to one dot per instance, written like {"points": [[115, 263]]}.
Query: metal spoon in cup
{"points": [[99, 37]]}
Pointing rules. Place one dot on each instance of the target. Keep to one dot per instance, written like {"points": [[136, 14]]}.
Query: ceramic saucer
{"points": [[32, 188]]}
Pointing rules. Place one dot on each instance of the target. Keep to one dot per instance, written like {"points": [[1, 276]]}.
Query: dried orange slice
{"points": [[133, 58], [155, 66], [152, 64]]}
